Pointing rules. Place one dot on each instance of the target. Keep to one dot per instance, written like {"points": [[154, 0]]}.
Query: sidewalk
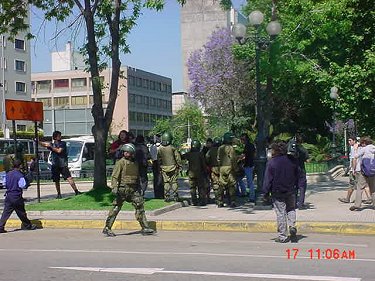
{"points": [[325, 214]]}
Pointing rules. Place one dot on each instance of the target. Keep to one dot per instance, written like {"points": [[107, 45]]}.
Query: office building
{"points": [[67, 96]]}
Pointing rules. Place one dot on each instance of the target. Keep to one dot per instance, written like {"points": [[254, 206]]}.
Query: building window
{"points": [[78, 83], [132, 98], [19, 44], [139, 116], [145, 83], [139, 82], [79, 100], [146, 118], [20, 87], [21, 127], [152, 85], [43, 86], [147, 101], [20, 65], [132, 116], [139, 99], [158, 86], [61, 83], [46, 102], [61, 101], [131, 80]]}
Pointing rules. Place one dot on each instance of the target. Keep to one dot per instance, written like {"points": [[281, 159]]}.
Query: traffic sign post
{"points": [[30, 111]]}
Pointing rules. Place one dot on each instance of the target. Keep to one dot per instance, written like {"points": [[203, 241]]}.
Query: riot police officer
{"points": [[227, 159], [213, 164], [196, 173], [170, 163], [125, 186]]}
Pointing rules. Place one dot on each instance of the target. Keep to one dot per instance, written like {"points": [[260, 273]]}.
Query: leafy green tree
{"points": [[188, 121], [322, 44], [106, 23]]}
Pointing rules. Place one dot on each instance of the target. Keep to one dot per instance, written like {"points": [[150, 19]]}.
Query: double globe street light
{"points": [[261, 43]]}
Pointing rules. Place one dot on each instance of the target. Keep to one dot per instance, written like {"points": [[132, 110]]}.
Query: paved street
{"points": [[87, 255]]}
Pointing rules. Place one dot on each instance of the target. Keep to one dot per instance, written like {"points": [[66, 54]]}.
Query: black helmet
{"points": [[196, 144], [166, 138]]}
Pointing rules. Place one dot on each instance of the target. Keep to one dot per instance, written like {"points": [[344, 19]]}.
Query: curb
{"points": [[347, 228]]}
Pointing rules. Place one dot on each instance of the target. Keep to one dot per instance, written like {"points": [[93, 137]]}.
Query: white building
{"points": [[15, 74]]}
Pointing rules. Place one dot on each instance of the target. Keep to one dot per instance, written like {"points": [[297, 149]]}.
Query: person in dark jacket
{"points": [[15, 183], [282, 177], [303, 155], [142, 156]]}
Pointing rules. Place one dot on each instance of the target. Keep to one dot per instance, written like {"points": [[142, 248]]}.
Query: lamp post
{"points": [[261, 43], [334, 96]]}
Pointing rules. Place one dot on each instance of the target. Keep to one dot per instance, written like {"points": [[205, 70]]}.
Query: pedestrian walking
{"points": [[282, 177], [15, 183], [59, 167], [125, 186], [365, 160]]}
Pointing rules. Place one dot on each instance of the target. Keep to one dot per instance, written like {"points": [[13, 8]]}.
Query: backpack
{"points": [[368, 167]]}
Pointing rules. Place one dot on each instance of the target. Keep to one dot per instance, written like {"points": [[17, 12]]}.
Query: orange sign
{"points": [[24, 110]]}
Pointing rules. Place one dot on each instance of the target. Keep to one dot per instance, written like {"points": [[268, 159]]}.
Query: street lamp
{"points": [[334, 96], [261, 43]]}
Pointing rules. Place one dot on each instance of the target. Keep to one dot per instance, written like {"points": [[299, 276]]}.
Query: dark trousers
{"points": [[143, 179], [158, 181], [14, 204], [301, 191]]}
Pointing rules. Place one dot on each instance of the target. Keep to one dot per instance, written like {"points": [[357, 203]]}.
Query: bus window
{"points": [[88, 152], [74, 149]]}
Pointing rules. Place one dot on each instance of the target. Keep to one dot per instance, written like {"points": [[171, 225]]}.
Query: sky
{"points": [[154, 43]]}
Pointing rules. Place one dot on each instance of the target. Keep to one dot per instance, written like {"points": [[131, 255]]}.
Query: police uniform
{"points": [[197, 167], [170, 162], [227, 159], [211, 159], [125, 185]]}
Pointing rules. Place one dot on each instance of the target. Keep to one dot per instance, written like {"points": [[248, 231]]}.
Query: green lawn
{"points": [[92, 200]]}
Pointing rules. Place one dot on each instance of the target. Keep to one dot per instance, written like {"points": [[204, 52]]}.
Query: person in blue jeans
{"points": [[247, 158]]}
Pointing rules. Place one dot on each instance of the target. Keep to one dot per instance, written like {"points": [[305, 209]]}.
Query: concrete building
{"points": [[67, 97], [15, 75], [199, 18]]}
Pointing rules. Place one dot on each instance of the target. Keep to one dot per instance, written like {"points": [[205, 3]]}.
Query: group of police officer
{"points": [[218, 165]]}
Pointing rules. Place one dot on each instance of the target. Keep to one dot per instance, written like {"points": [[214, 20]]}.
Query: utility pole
{"points": [[2, 84]]}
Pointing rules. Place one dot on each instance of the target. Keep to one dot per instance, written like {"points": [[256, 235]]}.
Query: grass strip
{"points": [[95, 199]]}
